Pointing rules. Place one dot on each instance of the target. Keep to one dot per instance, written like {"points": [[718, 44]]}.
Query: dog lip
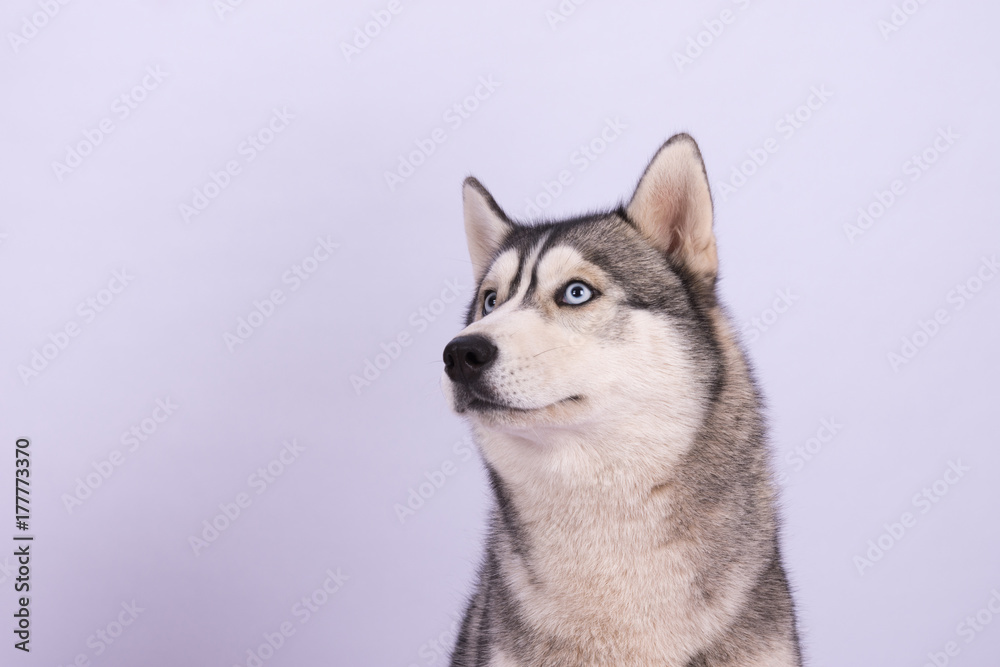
{"points": [[485, 405]]}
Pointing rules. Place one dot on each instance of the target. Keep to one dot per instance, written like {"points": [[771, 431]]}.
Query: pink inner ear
{"points": [[676, 226], [662, 217], [676, 241], [672, 207]]}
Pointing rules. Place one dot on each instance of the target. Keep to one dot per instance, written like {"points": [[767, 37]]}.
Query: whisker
{"points": [[558, 347]]}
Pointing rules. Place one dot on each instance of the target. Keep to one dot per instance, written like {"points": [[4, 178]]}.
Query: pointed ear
{"points": [[672, 207], [486, 225]]}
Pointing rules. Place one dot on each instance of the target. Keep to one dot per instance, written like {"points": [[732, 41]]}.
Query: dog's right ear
{"points": [[486, 225]]}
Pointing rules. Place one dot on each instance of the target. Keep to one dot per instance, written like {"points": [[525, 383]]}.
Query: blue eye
{"points": [[490, 302], [577, 293]]}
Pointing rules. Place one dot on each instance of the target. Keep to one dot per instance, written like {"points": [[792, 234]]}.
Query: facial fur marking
{"points": [[546, 245], [532, 258], [504, 266], [516, 280]]}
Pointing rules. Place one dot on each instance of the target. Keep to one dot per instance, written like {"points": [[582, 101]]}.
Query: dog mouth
{"points": [[491, 405]]}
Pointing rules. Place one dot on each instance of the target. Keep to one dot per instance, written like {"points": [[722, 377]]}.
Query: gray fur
{"points": [[715, 504]]}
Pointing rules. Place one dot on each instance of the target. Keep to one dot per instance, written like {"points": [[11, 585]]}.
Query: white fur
{"points": [[591, 471]]}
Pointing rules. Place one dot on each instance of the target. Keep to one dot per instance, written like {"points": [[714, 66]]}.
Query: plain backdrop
{"points": [[165, 168]]}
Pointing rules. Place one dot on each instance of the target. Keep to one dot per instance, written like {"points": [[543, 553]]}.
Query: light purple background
{"points": [[323, 175]]}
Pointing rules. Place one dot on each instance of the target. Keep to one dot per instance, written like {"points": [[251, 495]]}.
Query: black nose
{"points": [[466, 357]]}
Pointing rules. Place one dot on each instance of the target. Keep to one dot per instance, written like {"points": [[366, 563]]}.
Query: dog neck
{"points": [[600, 547]]}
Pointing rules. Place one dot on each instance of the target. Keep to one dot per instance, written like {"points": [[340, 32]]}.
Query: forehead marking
{"points": [[548, 243], [507, 264], [557, 261], [515, 281], [529, 262]]}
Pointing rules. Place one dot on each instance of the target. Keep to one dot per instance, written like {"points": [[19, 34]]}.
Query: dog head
{"points": [[579, 324]]}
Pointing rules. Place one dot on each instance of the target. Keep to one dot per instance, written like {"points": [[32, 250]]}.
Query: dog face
{"points": [[577, 325]]}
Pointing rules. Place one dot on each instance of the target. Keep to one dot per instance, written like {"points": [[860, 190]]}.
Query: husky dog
{"points": [[620, 425]]}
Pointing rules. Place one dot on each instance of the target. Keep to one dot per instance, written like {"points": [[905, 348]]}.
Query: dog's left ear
{"points": [[672, 207], [486, 225]]}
